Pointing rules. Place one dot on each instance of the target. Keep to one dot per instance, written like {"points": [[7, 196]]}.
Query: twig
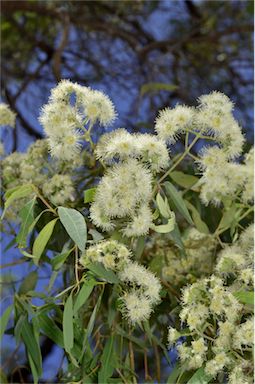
{"points": [[158, 373]]}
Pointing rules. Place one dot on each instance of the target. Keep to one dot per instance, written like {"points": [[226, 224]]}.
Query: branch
{"points": [[56, 61]]}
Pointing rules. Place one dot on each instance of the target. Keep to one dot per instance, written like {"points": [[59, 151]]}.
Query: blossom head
{"points": [[7, 117], [171, 122]]}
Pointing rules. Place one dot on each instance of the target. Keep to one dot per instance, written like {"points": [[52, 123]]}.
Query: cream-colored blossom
{"points": [[136, 307], [172, 122], [7, 116], [59, 189], [112, 254]]}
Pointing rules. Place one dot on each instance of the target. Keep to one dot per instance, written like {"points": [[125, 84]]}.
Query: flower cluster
{"points": [[59, 189], [55, 178], [121, 145], [213, 117], [237, 260], [122, 199], [112, 254], [64, 122], [220, 328], [141, 287], [179, 269], [7, 117], [223, 178], [172, 122]]}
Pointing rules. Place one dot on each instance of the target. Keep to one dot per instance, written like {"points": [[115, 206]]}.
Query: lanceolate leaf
{"points": [[84, 294], [108, 361], [163, 206], [200, 377], [59, 259], [32, 345], [165, 228], [42, 240], [75, 226], [245, 297], [177, 201], [19, 193], [50, 329], [199, 223], [29, 283], [103, 273], [4, 320], [27, 216], [68, 324], [184, 180], [157, 87], [89, 195]]}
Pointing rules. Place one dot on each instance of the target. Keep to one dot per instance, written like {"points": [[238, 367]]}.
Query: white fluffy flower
{"points": [[152, 151], [120, 145], [140, 223], [110, 253], [98, 106], [59, 189], [64, 122], [7, 117], [215, 116], [123, 190], [248, 170], [171, 122], [143, 280], [217, 101], [221, 177], [137, 308]]}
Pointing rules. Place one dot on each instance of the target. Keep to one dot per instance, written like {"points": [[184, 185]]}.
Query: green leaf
{"points": [[42, 239], [51, 330], [227, 218], [177, 200], [245, 297], [29, 283], [32, 345], [200, 377], [27, 217], [33, 368], [165, 228], [89, 195], [108, 362], [59, 259], [18, 193], [184, 180], [132, 338], [68, 324], [175, 235], [174, 374], [4, 320], [90, 327], [199, 223], [157, 87], [104, 274], [139, 248], [83, 294], [163, 206], [31, 227], [75, 225]]}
